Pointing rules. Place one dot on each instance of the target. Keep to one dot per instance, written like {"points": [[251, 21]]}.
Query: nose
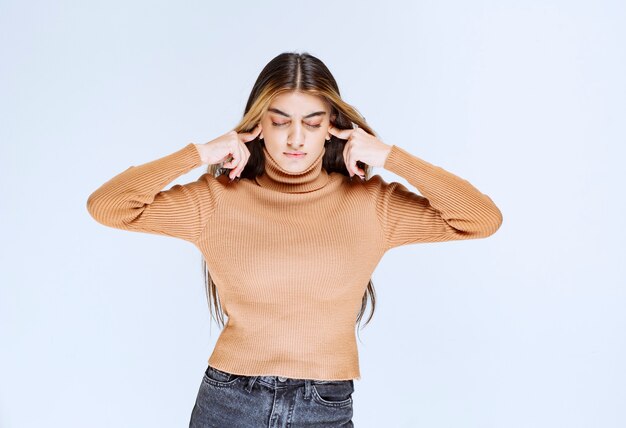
{"points": [[296, 137]]}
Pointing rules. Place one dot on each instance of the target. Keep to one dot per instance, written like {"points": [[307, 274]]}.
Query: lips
{"points": [[295, 154]]}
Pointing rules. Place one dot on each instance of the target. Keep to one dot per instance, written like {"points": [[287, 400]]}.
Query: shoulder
{"points": [[207, 182], [377, 184], [210, 180], [374, 187], [379, 189]]}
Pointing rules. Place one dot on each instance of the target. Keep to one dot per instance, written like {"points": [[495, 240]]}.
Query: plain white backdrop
{"points": [[526, 100]]}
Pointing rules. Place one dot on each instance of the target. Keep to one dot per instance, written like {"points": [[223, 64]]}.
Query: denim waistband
{"points": [[287, 381], [279, 382]]}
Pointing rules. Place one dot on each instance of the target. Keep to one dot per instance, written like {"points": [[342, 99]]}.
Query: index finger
{"points": [[248, 136], [344, 134]]}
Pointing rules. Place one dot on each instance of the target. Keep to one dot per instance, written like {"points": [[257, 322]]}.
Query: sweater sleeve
{"points": [[134, 200], [450, 209]]}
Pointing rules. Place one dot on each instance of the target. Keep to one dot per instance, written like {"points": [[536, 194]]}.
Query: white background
{"points": [[526, 100]]}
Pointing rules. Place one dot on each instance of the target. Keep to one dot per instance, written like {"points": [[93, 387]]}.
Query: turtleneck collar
{"points": [[276, 178]]}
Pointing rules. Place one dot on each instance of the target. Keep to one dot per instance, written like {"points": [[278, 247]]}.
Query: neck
{"points": [[281, 180]]}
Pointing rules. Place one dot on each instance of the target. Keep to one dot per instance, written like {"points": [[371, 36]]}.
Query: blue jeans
{"points": [[231, 400]]}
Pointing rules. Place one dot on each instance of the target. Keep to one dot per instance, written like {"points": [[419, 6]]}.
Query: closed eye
{"points": [[281, 124]]}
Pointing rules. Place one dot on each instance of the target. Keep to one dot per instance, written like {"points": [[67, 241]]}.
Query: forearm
{"points": [[460, 204], [134, 199]]}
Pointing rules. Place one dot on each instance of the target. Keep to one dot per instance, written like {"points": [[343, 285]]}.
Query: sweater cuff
{"points": [[189, 155]]}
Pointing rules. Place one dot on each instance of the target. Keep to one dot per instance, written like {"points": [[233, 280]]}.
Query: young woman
{"points": [[291, 226]]}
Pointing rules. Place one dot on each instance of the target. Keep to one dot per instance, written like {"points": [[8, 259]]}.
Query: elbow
{"points": [[100, 210], [94, 208], [490, 222], [112, 211], [495, 223], [480, 226], [481, 223]]}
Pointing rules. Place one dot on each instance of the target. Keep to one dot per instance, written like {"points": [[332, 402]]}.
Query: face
{"points": [[295, 122]]}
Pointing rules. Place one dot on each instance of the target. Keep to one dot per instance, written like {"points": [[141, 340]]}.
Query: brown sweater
{"points": [[291, 254]]}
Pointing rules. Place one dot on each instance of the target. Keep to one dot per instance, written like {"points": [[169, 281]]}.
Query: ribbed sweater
{"points": [[291, 254]]}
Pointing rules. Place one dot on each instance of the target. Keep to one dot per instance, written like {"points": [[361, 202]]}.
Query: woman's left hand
{"points": [[361, 146]]}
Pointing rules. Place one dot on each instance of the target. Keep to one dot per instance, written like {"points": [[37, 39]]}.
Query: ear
{"points": [[332, 123]]}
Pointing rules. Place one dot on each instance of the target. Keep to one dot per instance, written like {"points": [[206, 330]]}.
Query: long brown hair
{"points": [[287, 72]]}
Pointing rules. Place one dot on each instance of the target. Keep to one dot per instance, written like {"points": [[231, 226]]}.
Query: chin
{"points": [[295, 169]]}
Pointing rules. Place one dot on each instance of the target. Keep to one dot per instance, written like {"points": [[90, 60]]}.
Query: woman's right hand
{"points": [[226, 146]]}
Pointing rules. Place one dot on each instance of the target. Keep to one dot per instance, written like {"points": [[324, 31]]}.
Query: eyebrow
{"points": [[317, 113]]}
